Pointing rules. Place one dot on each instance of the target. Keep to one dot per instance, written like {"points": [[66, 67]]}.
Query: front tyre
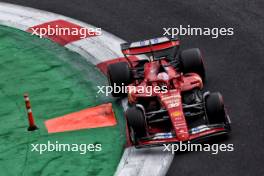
{"points": [[136, 120], [215, 109]]}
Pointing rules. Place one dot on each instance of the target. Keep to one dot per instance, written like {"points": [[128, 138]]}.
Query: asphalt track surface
{"points": [[235, 64]]}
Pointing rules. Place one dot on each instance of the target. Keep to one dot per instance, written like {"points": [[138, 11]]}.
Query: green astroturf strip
{"points": [[58, 82]]}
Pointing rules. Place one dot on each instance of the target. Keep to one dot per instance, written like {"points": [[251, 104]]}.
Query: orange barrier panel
{"points": [[99, 116]]}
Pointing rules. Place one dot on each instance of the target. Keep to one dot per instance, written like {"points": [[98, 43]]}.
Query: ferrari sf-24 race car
{"points": [[182, 113]]}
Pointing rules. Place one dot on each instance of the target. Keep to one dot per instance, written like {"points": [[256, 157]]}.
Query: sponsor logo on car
{"points": [[176, 113]]}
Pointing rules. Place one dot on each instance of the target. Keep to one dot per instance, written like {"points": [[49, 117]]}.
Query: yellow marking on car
{"points": [[176, 113]]}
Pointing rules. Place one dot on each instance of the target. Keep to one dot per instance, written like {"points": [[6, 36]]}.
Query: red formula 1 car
{"points": [[165, 97]]}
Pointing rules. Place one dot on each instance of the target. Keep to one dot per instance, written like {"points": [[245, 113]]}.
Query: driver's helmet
{"points": [[163, 76]]}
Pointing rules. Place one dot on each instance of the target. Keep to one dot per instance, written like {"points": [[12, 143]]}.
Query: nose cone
{"points": [[183, 135]]}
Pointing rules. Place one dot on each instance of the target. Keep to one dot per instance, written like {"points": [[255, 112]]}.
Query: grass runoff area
{"points": [[58, 82]]}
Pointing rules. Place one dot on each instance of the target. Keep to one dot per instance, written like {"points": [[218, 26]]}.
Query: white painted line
{"points": [[23, 17], [94, 46], [134, 162]]}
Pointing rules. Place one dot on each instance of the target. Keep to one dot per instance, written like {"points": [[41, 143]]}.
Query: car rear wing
{"points": [[151, 46]]}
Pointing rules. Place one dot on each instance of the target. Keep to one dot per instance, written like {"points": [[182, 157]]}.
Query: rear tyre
{"points": [[192, 62], [136, 120], [215, 108], [118, 74]]}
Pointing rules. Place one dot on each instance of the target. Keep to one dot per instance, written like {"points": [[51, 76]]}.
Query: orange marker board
{"points": [[98, 116]]}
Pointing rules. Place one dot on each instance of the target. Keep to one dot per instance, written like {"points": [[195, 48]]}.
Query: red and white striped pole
{"points": [[32, 125]]}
